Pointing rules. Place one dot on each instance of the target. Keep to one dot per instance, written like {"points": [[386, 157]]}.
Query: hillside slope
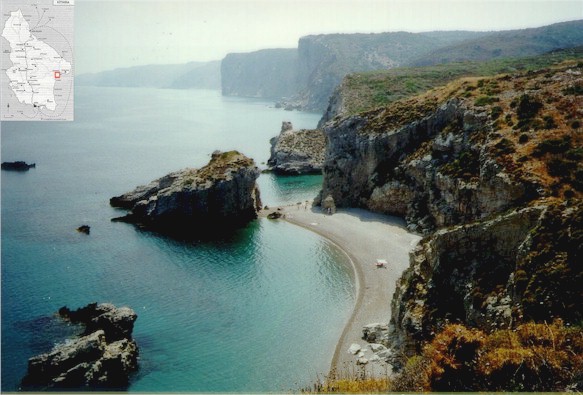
{"points": [[505, 44], [365, 91]]}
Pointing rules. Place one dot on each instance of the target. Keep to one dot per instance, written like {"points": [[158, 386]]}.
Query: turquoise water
{"points": [[260, 310]]}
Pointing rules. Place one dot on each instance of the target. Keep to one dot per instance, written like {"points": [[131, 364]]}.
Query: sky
{"points": [[122, 33]]}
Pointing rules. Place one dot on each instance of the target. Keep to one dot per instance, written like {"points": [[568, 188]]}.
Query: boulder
{"points": [[328, 205], [375, 333], [354, 349], [102, 357], [222, 194]]}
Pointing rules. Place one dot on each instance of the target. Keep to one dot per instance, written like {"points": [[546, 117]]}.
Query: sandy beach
{"points": [[364, 237]]}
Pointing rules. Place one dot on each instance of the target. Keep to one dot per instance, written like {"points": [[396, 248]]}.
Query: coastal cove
{"points": [[260, 310]]}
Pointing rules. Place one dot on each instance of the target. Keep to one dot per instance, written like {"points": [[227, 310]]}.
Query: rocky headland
{"points": [[223, 194], [102, 357], [296, 152], [489, 169]]}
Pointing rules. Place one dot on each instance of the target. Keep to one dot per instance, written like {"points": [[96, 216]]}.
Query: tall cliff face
{"points": [[455, 154], [306, 77], [323, 60], [269, 73]]}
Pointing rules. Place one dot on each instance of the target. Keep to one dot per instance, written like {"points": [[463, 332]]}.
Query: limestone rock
{"points": [[297, 151], [452, 272], [375, 333], [409, 169], [103, 357], [223, 194], [354, 348]]}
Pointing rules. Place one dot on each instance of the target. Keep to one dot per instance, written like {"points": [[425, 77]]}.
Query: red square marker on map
{"points": [[57, 74]]}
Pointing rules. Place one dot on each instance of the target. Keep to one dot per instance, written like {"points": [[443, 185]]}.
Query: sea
{"points": [[258, 310]]}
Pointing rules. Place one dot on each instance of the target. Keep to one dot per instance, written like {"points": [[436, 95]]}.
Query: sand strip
{"points": [[364, 237]]}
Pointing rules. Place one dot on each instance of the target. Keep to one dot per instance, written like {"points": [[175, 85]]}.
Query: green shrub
{"points": [[554, 146], [528, 107], [496, 112], [549, 122], [504, 147], [485, 100]]}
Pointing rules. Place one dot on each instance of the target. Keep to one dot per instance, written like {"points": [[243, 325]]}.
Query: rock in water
{"points": [[103, 357], [222, 194], [297, 151], [18, 166], [84, 229]]}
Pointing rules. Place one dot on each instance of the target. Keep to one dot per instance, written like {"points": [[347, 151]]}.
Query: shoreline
{"points": [[363, 237]]}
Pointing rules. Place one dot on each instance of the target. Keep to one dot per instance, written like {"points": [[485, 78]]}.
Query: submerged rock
{"points": [[222, 194], [102, 357], [296, 152], [17, 166]]}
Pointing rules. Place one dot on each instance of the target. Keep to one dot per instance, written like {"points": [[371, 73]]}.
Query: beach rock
{"points": [[354, 349], [375, 333], [296, 152], [102, 357], [361, 361], [275, 215], [223, 194], [375, 347], [17, 166], [328, 205]]}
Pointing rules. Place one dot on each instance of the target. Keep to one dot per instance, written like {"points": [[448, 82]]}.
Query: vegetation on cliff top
{"points": [[368, 90]]}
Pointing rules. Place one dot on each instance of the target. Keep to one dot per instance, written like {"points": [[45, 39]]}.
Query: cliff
{"points": [[305, 77], [222, 194], [102, 357], [297, 151], [308, 77], [459, 153], [490, 170], [268, 73]]}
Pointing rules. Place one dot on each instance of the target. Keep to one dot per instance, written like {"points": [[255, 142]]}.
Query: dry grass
{"points": [[354, 381], [532, 357]]}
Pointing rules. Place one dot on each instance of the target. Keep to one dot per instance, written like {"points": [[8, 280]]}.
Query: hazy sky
{"points": [[112, 33]]}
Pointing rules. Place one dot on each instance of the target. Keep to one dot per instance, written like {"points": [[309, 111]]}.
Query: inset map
{"points": [[36, 61]]}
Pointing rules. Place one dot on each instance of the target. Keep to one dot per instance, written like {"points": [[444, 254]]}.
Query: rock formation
{"points": [[222, 194], [102, 357], [297, 151], [490, 170]]}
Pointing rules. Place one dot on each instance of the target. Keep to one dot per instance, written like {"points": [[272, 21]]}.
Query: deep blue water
{"points": [[260, 310]]}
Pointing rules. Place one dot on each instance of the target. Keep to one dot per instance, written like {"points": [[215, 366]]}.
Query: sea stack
{"points": [[296, 152], [222, 194], [102, 357]]}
